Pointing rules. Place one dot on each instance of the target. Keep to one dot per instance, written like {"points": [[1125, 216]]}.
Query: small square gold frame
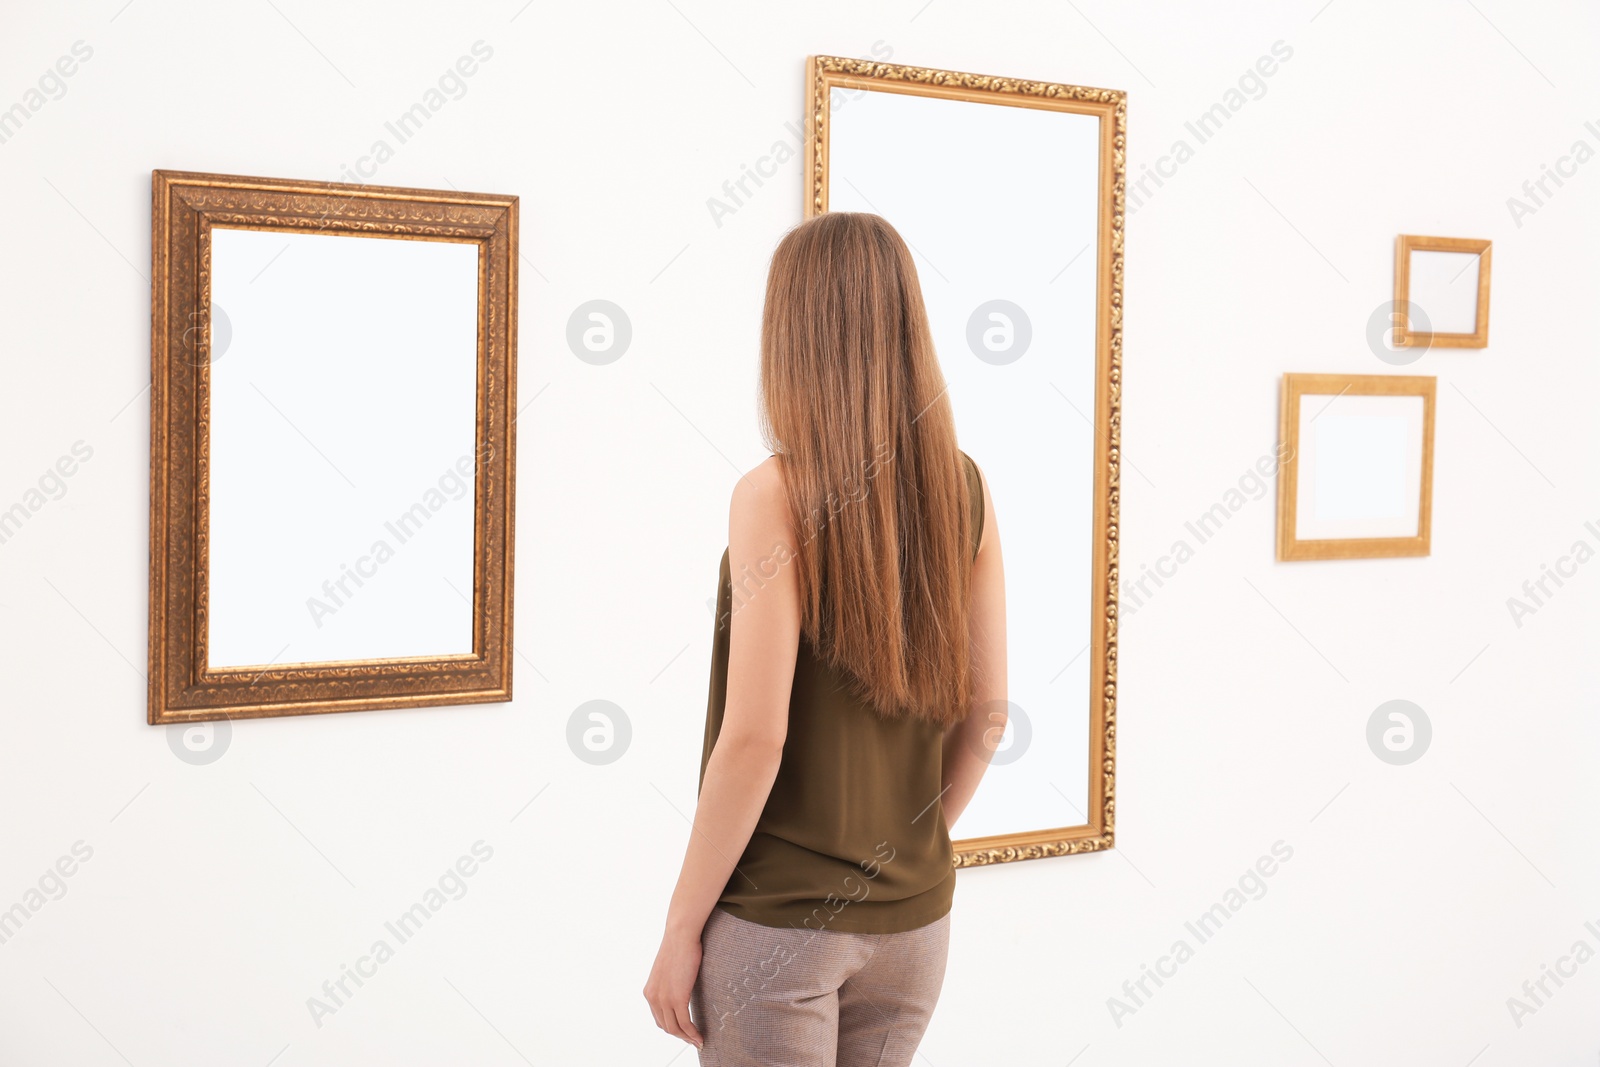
{"points": [[1337, 385], [1404, 336]]}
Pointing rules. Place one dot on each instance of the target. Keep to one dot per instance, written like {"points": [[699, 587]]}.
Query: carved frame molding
{"points": [[185, 207]]}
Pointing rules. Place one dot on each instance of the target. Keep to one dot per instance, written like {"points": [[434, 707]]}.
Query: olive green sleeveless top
{"points": [[852, 837]]}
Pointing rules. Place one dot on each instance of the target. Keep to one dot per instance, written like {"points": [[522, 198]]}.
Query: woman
{"points": [[860, 618]]}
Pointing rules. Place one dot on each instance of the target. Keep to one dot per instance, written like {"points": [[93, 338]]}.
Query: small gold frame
{"points": [[184, 208], [825, 73], [1336, 385], [1404, 336]]}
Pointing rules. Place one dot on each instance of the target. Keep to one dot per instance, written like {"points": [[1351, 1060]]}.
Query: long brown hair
{"points": [[854, 405]]}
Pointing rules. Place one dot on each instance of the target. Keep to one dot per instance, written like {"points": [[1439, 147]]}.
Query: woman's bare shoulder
{"points": [[760, 498]]}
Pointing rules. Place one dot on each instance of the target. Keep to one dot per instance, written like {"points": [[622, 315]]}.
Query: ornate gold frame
{"points": [[823, 74], [1296, 385], [184, 209], [1404, 336]]}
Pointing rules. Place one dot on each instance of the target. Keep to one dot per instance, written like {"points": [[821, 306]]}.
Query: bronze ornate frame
{"points": [[823, 74], [184, 209]]}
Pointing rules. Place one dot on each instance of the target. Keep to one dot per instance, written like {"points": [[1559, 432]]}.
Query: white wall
{"points": [[219, 898]]}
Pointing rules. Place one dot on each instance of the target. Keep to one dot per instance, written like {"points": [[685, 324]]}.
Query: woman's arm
{"points": [[969, 744], [764, 640]]}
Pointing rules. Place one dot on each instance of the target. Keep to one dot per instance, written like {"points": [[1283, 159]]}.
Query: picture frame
{"points": [[184, 686], [1359, 485], [1406, 337]]}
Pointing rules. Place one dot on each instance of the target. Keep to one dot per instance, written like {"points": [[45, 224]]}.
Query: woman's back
{"points": [[852, 836], [860, 629]]}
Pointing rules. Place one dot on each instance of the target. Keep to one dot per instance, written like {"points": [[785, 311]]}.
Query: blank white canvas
{"points": [[346, 397], [1444, 289], [1359, 467]]}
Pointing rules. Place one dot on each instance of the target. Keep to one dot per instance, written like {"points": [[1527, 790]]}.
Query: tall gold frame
{"points": [[825, 73], [1290, 548], [184, 209]]}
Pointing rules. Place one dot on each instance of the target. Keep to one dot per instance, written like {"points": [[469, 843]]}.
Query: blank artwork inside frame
{"points": [[343, 429], [1360, 467], [1444, 290], [999, 205]]}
